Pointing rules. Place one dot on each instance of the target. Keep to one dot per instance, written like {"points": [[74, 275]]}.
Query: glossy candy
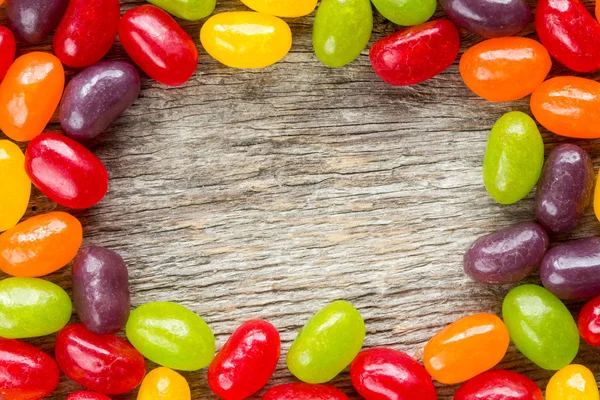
{"points": [[29, 95], [573, 382], [505, 69], [499, 385], [507, 255], [192, 10], [565, 188], [597, 198], [40, 245], [96, 97], [283, 8], [86, 32], [327, 343], [16, 186], [85, 395], [8, 47], [246, 362], [489, 18], [541, 326], [466, 348], [341, 30], [304, 391], [31, 307], [32, 20], [514, 157], [171, 335], [589, 322], [246, 39], [406, 13], [164, 384], [158, 45], [65, 171], [386, 374], [413, 55], [103, 363]]}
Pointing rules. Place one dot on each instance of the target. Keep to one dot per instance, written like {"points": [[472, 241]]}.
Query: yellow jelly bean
{"points": [[15, 186], [597, 194], [164, 384], [573, 382], [283, 8], [246, 39]]}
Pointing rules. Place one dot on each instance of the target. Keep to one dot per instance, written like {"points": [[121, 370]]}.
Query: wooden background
{"points": [[270, 193]]}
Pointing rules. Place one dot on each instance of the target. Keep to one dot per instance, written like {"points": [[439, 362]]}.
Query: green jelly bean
{"points": [[341, 30], [406, 12], [541, 326], [514, 158], [192, 10], [31, 307], [171, 335], [327, 343]]}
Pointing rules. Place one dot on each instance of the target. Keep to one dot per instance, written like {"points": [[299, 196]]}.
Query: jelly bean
{"points": [[246, 362], [283, 8], [31, 307], [192, 10], [85, 395], [29, 95], [569, 32], [27, 372], [466, 348], [40, 245], [565, 188], [566, 105], [171, 335], [65, 171], [505, 69], [86, 32], [102, 363], [573, 382], [499, 385], [489, 18], [163, 384], [386, 374], [415, 54], [327, 344], [341, 30], [100, 290], [507, 255], [304, 391], [8, 47], [597, 198], [541, 326], [406, 13], [158, 45], [16, 186], [589, 322], [246, 39], [514, 158], [33, 20]]}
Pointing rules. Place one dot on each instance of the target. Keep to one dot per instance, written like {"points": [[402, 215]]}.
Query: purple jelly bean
{"points": [[572, 270], [508, 255], [565, 188], [100, 289], [96, 97], [32, 20]]}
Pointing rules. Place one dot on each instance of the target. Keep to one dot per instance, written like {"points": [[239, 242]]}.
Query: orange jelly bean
{"points": [[40, 245], [466, 348], [505, 69], [29, 95], [568, 106]]}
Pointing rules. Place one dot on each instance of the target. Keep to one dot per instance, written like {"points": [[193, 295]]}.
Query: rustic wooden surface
{"points": [[270, 193]]}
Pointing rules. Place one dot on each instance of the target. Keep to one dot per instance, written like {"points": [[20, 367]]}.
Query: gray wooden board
{"points": [[270, 193]]}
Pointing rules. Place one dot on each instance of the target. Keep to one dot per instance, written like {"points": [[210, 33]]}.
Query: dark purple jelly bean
{"points": [[572, 270], [32, 20], [565, 188], [96, 97], [100, 290], [507, 255]]}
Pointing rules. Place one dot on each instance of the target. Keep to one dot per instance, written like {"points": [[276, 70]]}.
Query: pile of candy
{"points": [[502, 68]]}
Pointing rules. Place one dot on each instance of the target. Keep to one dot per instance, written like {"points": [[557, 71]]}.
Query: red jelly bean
{"points": [[386, 374], [304, 391], [416, 54], [589, 322], [8, 47], [158, 45], [246, 362], [86, 32], [85, 395], [65, 171], [570, 33], [499, 385], [103, 363]]}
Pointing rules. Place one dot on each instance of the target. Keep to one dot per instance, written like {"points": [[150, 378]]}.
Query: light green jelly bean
{"points": [[192, 10], [341, 30], [31, 307], [406, 12], [171, 335], [514, 158], [327, 343], [541, 326]]}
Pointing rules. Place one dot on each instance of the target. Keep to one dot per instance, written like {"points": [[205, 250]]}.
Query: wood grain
{"points": [[270, 193]]}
